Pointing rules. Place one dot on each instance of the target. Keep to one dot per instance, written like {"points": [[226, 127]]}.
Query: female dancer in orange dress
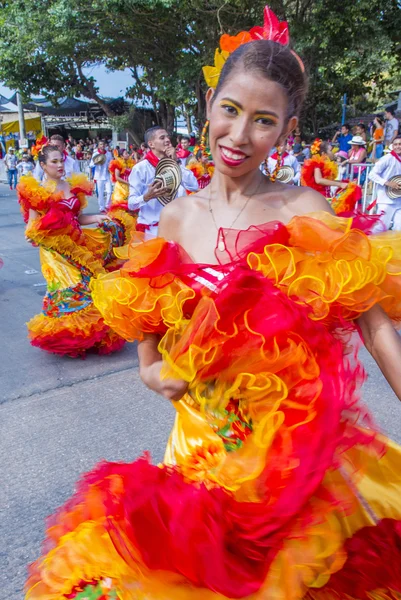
{"points": [[70, 257], [319, 173], [275, 484], [120, 169]]}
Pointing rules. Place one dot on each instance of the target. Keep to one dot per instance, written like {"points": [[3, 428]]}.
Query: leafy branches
{"points": [[46, 46]]}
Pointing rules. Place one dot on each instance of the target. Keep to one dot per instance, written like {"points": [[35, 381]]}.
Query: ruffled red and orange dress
{"points": [[119, 197], [345, 201], [70, 257], [275, 484]]}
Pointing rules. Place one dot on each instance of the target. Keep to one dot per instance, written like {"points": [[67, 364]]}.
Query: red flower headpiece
{"points": [[315, 148], [40, 142], [273, 29]]}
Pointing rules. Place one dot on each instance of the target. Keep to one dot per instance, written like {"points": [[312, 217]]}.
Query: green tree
{"points": [[346, 47]]}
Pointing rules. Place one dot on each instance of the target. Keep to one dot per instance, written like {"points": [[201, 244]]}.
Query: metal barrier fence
{"points": [[84, 166]]}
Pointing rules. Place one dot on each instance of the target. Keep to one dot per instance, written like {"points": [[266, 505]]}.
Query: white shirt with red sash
{"points": [[386, 167], [142, 175], [101, 171]]}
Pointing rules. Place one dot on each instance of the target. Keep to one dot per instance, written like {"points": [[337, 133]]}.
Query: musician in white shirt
{"points": [[70, 165], [384, 170], [144, 190], [102, 176]]}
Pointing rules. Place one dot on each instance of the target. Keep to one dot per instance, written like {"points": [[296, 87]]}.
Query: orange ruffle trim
{"points": [[83, 251], [345, 200], [328, 168], [73, 333], [339, 272], [31, 194], [120, 164]]}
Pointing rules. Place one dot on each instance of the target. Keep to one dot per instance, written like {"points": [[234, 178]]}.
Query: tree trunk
{"points": [[166, 115], [134, 136], [200, 115], [170, 125], [187, 116], [89, 88]]}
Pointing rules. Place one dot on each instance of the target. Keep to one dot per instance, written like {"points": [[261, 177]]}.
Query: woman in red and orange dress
{"points": [[120, 169], [320, 172], [71, 256], [275, 484]]}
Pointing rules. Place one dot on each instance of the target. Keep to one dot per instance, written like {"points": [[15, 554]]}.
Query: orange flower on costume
{"points": [[48, 272], [200, 464]]}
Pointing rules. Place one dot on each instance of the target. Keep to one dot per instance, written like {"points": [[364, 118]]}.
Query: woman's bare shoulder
{"points": [[179, 214], [305, 200]]}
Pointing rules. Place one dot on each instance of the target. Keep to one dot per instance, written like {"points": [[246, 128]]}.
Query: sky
{"points": [[112, 84]]}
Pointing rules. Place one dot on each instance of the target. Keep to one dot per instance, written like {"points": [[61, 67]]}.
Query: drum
{"points": [[169, 174], [391, 193], [99, 159], [286, 174]]}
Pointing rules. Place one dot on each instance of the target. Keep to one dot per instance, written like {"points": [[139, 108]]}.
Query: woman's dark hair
{"points": [[380, 120], [324, 147], [272, 61], [45, 152]]}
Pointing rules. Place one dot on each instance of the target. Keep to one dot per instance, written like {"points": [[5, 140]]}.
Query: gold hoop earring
{"points": [[203, 140]]}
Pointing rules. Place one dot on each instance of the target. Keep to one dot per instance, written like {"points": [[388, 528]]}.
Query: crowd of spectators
{"points": [[357, 144]]}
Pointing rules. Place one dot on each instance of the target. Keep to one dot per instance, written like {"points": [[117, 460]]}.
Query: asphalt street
{"points": [[60, 416]]}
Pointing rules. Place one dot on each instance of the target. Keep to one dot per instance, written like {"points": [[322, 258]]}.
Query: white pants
{"points": [[391, 216], [102, 185]]}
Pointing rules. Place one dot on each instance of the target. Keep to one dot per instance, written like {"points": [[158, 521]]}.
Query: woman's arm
{"points": [[320, 180], [150, 359], [118, 178], [384, 344], [92, 219], [33, 214], [150, 364]]}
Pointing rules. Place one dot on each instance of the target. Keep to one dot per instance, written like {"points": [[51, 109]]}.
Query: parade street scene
{"points": [[200, 299]]}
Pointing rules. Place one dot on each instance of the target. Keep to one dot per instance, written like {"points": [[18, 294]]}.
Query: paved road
{"points": [[59, 416]]}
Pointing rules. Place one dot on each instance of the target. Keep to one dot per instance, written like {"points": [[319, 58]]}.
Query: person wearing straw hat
{"points": [[357, 155], [145, 190], [383, 174]]}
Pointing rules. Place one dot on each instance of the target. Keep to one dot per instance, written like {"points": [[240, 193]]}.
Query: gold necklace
{"points": [[221, 244]]}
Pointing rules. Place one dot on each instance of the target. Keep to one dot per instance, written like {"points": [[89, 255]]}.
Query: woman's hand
{"points": [[100, 218], [343, 185], [171, 389]]}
